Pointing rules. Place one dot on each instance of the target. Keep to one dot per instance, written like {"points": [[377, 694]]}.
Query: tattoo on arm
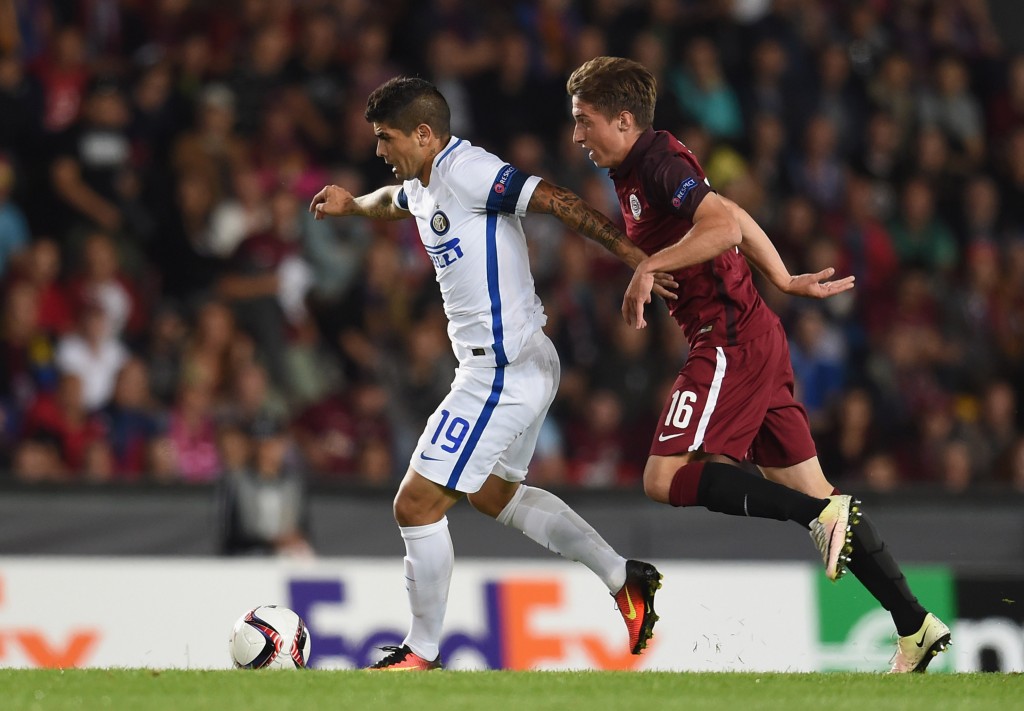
{"points": [[577, 215], [380, 204]]}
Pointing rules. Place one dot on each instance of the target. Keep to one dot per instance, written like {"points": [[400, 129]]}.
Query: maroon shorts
{"points": [[737, 401]]}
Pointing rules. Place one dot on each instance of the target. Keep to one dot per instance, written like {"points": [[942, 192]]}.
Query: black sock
{"points": [[730, 490], [878, 571]]}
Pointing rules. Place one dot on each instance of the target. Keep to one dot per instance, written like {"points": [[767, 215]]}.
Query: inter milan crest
{"points": [[439, 223], [634, 206]]}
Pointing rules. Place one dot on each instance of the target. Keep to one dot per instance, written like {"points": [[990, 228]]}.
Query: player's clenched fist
{"points": [[332, 200]]}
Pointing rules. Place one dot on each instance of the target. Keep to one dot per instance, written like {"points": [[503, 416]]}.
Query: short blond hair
{"points": [[612, 85]]}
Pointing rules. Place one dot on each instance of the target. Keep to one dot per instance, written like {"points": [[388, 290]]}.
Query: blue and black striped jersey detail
{"points": [[505, 190], [402, 199]]}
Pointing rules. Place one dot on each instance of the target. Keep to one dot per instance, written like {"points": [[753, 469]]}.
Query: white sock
{"points": [[429, 559], [549, 521]]}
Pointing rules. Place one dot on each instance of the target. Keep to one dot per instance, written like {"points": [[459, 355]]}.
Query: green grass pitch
{"points": [[149, 690]]}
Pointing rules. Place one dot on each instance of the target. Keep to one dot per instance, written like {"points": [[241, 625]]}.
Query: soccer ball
{"points": [[269, 637]]}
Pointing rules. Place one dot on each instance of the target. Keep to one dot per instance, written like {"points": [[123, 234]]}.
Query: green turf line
{"points": [[146, 690]]}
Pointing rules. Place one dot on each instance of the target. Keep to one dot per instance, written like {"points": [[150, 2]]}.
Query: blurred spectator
{"points": [[949, 105], [260, 77], [63, 73], [531, 102], [957, 472], [817, 350], [187, 253], [932, 160], [817, 170], [864, 245], [213, 149], [27, 366], [101, 281], [265, 508], [61, 418], [250, 397], [881, 161], [919, 235], [347, 436], [209, 345], [42, 270], [130, 423], [318, 74], [628, 369], [94, 353], [598, 443], [257, 286], [164, 352], [892, 89], [980, 218], [769, 91], [850, 438], [841, 98], [969, 313], [92, 160], [997, 429], [703, 94], [189, 447]]}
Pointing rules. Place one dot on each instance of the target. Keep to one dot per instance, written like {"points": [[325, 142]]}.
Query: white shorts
{"points": [[490, 421]]}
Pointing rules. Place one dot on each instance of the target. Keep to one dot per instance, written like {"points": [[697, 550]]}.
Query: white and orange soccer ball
{"points": [[269, 637]]}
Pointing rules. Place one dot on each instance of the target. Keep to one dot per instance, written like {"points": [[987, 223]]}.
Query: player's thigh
{"points": [[537, 378], [716, 404], [481, 418], [784, 440]]}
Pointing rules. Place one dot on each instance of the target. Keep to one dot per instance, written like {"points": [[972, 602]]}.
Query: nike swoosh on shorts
{"points": [[664, 438]]}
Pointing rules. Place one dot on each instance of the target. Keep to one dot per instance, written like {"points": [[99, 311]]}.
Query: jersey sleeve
{"points": [[402, 199], [483, 182], [678, 185]]}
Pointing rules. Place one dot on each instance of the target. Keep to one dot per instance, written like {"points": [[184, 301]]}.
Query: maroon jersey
{"points": [[660, 184]]}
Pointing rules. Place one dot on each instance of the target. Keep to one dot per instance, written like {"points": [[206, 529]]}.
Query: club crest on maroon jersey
{"points": [[634, 206]]}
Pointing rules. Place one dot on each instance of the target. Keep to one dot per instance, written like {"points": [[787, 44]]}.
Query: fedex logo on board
{"points": [[508, 639]]}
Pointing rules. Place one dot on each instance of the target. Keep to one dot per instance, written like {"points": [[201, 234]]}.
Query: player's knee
{"points": [[413, 511], [657, 484]]}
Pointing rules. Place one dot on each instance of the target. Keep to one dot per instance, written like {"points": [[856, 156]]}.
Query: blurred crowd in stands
{"points": [[172, 313]]}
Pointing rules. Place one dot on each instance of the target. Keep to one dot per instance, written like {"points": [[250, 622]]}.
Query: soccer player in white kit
{"points": [[468, 206]]}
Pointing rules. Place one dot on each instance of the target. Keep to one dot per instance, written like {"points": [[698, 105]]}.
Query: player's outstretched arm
{"points": [[337, 201], [580, 217], [759, 250]]}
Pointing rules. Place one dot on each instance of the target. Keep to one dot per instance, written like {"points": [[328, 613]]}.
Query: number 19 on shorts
{"points": [[454, 434]]}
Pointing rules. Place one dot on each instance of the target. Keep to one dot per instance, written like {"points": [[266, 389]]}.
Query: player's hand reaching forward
{"points": [[815, 286], [332, 200]]}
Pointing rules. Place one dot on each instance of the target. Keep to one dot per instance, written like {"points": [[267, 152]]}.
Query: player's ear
{"points": [[625, 121], [423, 134]]}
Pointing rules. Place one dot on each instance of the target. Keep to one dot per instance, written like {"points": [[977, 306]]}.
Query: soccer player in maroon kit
{"points": [[733, 399]]}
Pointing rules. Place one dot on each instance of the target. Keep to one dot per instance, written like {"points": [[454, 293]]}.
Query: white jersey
{"points": [[469, 220]]}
